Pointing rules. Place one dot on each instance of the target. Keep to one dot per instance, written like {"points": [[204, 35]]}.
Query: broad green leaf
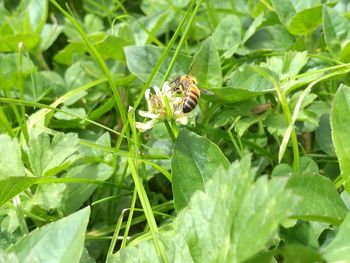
{"points": [[65, 55], [93, 23], [247, 81], [37, 10], [49, 34], [10, 157], [306, 21], [206, 66], [12, 186], [287, 65], [79, 112], [112, 47], [81, 72], [60, 241], [340, 123], [49, 196], [301, 16], [142, 59], [298, 253], [303, 234], [338, 250], [9, 70], [47, 157], [320, 199], [195, 160], [213, 227], [323, 135], [270, 38], [76, 194], [308, 166], [146, 28], [227, 35], [336, 30]]}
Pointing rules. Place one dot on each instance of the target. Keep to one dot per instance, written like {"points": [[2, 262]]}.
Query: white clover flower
{"points": [[157, 107]]}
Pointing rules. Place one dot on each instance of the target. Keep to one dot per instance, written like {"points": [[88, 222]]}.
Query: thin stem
{"points": [[20, 216], [181, 42], [128, 223]]}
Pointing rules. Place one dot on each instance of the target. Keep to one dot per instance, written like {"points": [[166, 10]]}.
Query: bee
{"points": [[186, 85]]}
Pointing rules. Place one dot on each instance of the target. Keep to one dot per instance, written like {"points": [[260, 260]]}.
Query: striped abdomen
{"points": [[191, 99]]}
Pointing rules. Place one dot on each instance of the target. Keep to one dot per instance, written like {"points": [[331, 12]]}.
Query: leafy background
{"points": [[260, 174]]}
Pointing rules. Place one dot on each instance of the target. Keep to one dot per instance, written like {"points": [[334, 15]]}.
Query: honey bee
{"points": [[187, 86]]}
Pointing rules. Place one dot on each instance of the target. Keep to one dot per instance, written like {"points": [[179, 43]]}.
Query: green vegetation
{"points": [[98, 162]]}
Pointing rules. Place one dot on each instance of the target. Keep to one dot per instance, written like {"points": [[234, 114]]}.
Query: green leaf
{"points": [[9, 70], [37, 10], [227, 35], [12, 186], [112, 47], [195, 160], [206, 65], [76, 111], [48, 158], [142, 59], [340, 123], [338, 250], [49, 196], [298, 253], [60, 241], [65, 55], [316, 189], [336, 30], [48, 35], [247, 81], [306, 21], [270, 38], [76, 194], [10, 157], [214, 226], [301, 17], [323, 135]]}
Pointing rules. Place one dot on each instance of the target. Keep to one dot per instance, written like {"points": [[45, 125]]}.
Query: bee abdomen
{"points": [[191, 99]]}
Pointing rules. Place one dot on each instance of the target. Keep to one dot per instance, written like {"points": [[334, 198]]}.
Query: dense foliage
{"points": [[98, 163]]}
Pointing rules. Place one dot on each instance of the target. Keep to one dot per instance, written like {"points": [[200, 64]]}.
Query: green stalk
{"points": [[24, 127], [157, 67], [99, 59], [128, 223], [115, 234], [288, 116], [147, 209], [20, 216], [141, 192], [181, 42]]}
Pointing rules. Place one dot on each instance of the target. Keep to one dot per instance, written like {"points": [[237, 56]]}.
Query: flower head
{"points": [[157, 107]]}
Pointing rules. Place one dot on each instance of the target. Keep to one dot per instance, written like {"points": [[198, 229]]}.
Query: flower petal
{"points": [[182, 119], [148, 114], [157, 90], [144, 126], [147, 94]]}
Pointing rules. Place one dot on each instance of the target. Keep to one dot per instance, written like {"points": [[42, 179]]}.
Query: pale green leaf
{"points": [[206, 66], [10, 157], [340, 124], [50, 157], [227, 35], [142, 59], [60, 241], [216, 225], [12, 186], [338, 250], [320, 200], [194, 162]]}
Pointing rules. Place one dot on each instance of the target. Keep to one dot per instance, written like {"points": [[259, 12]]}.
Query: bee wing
{"points": [[207, 92]]}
